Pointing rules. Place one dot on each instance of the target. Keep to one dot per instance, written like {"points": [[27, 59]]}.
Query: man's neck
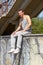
{"points": [[23, 16]]}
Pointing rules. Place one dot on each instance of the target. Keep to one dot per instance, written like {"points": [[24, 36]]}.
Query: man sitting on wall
{"points": [[25, 24]]}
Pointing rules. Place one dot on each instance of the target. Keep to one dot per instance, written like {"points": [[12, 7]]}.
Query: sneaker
{"points": [[16, 51], [12, 50]]}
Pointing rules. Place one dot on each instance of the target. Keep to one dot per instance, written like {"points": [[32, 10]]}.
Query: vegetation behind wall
{"points": [[37, 25]]}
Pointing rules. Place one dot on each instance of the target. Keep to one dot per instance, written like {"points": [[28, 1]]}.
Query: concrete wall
{"points": [[31, 52]]}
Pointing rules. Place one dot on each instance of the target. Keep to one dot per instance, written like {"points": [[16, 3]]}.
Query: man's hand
{"points": [[13, 33], [23, 30]]}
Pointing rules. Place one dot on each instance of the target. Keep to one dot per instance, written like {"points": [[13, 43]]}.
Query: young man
{"points": [[25, 24]]}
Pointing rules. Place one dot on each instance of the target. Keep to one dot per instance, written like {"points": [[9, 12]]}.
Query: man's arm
{"points": [[18, 28], [29, 23]]}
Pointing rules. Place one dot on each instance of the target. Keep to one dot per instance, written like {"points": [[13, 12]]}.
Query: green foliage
{"points": [[37, 25]]}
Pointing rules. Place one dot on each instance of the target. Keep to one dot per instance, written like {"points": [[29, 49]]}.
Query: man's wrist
{"points": [[16, 30], [23, 30]]}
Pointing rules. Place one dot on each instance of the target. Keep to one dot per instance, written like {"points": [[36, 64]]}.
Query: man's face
{"points": [[20, 13]]}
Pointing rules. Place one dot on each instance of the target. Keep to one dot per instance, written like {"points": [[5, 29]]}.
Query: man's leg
{"points": [[13, 40], [19, 40]]}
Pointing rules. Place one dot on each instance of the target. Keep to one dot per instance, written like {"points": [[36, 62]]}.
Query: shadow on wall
{"points": [[9, 29]]}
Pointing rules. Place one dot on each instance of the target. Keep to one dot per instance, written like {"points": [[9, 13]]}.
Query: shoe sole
{"points": [[15, 53], [10, 52]]}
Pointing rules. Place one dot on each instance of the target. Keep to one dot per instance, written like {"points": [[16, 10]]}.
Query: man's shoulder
{"points": [[27, 15]]}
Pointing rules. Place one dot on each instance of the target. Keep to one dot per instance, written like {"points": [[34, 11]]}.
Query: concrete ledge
{"points": [[33, 35], [27, 35], [31, 51]]}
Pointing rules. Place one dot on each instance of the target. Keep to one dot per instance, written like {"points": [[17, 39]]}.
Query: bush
{"points": [[37, 25]]}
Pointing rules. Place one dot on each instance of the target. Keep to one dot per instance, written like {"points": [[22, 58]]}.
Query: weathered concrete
{"points": [[31, 52]]}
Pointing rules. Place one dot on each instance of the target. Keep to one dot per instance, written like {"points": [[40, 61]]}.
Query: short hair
{"points": [[21, 10]]}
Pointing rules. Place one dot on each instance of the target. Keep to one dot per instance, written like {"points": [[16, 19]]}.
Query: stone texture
{"points": [[31, 52]]}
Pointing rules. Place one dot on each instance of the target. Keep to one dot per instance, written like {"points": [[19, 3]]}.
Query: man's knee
{"points": [[16, 34], [19, 32], [12, 35]]}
